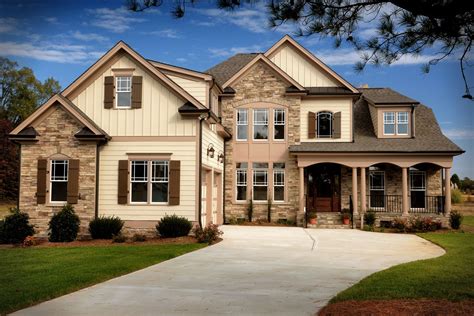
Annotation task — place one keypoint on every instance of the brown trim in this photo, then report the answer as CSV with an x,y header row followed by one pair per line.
x,y
174,182
122,182
137,92
148,156
73,181
311,124
180,70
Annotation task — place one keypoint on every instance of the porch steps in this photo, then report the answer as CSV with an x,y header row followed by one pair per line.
x,y
328,220
330,226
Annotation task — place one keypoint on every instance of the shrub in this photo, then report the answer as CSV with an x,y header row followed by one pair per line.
x,y
232,220
369,218
209,234
455,219
120,238
400,224
15,227
105,227
456,196
64,225
425,224
173,226
30,241
139,238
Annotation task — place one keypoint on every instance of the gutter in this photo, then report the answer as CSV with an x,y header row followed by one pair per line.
x,y
413,121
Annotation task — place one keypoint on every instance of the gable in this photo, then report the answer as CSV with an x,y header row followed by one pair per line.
x,y
196,88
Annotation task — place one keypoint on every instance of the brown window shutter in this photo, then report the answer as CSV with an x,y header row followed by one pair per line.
x,y
73,181
123,182
41,181
136,92
174,182
336,125
109,92
311,125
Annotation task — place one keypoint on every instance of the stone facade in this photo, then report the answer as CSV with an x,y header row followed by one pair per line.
x,y
261,84
56,140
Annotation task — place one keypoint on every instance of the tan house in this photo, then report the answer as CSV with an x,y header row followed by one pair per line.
x,y
140,139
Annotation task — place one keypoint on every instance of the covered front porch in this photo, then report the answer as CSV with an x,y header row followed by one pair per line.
x,y
399,185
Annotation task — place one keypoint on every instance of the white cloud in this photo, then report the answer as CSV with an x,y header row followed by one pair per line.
x,y
88,37
181,60
116,20
50,52
168,33
457,133
8,25
52,20
226,52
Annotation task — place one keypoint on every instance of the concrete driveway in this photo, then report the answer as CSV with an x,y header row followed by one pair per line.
x,y
254,271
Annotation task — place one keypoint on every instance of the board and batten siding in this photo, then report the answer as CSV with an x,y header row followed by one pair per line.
x,y
336,105
300,69
158,115
112,152
196,88
209,136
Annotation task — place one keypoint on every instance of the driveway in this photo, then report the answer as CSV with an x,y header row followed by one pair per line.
x,y
254,271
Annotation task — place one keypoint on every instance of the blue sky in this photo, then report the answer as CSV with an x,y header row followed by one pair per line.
x,y
61,39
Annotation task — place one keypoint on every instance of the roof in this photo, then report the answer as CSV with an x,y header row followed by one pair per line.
x,y
225,70
329,91
385,96
429,138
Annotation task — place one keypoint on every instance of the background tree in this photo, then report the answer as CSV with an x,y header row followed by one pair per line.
x,y
455,180
400,27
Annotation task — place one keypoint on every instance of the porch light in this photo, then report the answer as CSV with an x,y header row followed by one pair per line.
x,y
210,151
220,157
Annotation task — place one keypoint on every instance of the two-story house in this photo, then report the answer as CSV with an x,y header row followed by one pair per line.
x,y
140,139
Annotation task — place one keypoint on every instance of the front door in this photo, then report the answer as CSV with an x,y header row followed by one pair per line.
x,y
324,187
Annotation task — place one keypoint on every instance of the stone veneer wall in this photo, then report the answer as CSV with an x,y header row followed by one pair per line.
x,y
56,137
261,84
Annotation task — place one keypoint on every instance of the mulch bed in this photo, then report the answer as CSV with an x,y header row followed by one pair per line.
x,y
399,308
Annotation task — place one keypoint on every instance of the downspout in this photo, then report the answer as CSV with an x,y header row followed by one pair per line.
x,y
412,121
223,188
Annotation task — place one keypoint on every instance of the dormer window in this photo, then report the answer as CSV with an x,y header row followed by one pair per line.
x,y
324,124
395,123
402,123
123,92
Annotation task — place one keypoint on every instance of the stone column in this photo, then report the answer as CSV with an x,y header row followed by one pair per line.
x,y
405,191
363,193
354,191
447,191
302,199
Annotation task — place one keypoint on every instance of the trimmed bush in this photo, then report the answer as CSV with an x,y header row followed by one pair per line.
x,y
139,238
455,220
173,226
400,224
105,227
369,218
15,227
64,225
456,196
209,234
119,238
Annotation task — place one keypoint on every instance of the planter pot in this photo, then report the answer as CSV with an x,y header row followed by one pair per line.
x,y
345,221
313,221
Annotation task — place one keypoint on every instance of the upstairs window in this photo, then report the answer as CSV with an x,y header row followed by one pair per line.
x,y
389,123
260,124
324,124
123,92
402,123
59,178
279,124
242,124
395,123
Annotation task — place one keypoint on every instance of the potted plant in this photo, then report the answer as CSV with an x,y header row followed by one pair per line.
x,y
346,216
313,218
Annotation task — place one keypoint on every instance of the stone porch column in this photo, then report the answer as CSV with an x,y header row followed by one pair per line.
x,y
363,193
447,191
354,191
405,191
302,200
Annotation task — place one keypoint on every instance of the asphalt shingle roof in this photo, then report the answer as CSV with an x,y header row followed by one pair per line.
x,y
226,69
385,96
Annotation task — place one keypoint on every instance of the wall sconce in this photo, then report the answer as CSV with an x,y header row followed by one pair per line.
x,y
210,151
220,157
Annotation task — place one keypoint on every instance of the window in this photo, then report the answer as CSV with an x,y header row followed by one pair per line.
x,y
260,124
324,126
260,181
124,92
279,182
149,187
241,175
59,177
402,123
377,188
389,123
417,188
279,124
242,124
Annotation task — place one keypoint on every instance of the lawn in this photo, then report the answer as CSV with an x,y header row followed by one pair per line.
x,y
468,220
448,277
32,275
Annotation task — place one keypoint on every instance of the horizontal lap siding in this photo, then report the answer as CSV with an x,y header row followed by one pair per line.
x,y
108,178
210,137
198,89
337,105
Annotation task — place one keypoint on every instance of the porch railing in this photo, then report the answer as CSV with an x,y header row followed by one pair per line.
x,y
385,203
393,204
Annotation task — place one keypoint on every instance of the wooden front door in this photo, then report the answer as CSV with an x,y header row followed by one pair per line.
x,y
324,187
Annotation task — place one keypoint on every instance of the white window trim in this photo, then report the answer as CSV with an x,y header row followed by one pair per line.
x,y
51,180
241,124
372,189
404,122
149,181
150,198
275,111
386,122
237,170
330,124
117,92
423,189
279,185
254,124
259,185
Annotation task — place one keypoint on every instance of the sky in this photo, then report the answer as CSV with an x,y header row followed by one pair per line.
x,y
61,39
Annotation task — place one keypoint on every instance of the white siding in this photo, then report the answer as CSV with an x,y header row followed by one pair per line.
x,y
209,136
114,151
197,89
301,69
158,116
336,105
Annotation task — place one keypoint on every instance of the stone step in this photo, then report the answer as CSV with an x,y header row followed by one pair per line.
x,y
321,226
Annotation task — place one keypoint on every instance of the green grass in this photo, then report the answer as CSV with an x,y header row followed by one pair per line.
x,y
447,277
32,275
468,220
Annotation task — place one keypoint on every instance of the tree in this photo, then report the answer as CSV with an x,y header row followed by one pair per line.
x,y
401,27
20,92
455,180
